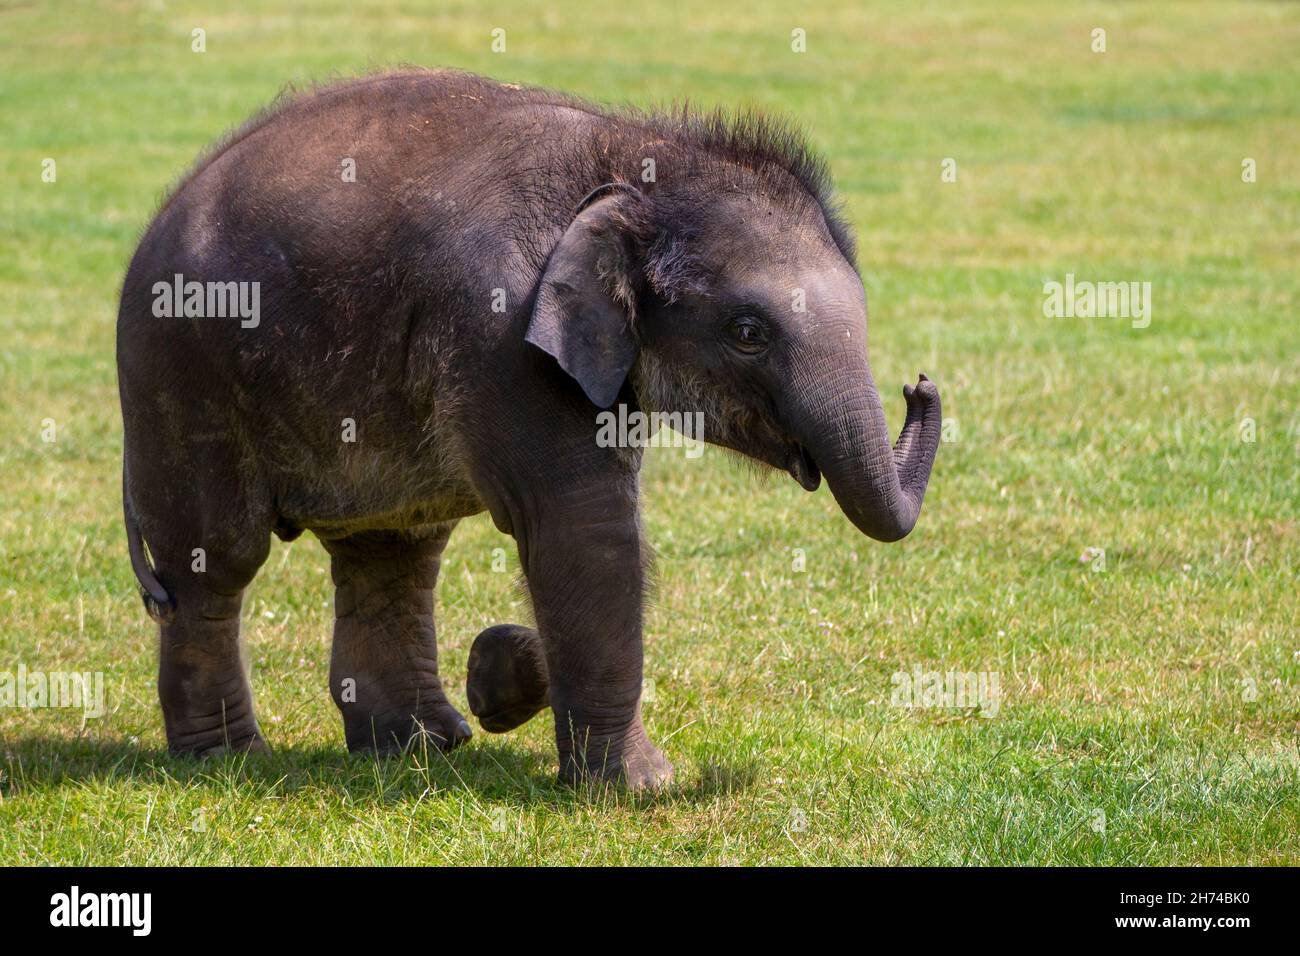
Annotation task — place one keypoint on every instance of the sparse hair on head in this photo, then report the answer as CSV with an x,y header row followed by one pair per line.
x,y
705,154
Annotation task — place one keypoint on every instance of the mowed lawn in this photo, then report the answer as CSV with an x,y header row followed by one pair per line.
x,y
1149,705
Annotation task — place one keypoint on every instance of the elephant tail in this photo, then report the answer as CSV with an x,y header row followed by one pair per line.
x,y
156,599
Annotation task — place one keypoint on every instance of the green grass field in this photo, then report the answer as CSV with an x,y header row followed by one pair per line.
x,y
1149,704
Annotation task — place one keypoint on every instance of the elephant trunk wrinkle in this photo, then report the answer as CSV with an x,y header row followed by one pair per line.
x,y
841,422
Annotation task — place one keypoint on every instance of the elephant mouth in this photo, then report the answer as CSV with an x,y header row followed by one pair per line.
x,y
803,469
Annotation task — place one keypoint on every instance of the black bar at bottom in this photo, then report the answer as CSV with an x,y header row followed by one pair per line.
x,y
334,905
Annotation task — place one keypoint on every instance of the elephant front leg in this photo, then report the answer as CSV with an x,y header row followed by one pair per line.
x,y
586,580
384,667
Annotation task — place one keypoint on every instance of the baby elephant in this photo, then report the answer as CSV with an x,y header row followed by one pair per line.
x,y
391,303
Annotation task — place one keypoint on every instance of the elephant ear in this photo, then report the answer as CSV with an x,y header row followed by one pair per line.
x,y
582,315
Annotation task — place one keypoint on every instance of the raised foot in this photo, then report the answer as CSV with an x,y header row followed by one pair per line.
x,y
507,683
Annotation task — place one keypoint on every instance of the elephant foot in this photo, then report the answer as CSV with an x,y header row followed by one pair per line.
x,y
630,761
248,745
507,683
438,725
216,742
211,716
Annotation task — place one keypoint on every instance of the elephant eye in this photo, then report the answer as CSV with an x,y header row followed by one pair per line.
x,y
748,334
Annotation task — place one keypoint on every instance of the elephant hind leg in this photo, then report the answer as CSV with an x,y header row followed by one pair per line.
x,y
508,683
206,547
384,666
203,684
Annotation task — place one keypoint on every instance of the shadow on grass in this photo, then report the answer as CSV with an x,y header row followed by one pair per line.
x,y
490,770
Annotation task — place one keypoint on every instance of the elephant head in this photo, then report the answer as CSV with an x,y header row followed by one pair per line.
x,y
732,292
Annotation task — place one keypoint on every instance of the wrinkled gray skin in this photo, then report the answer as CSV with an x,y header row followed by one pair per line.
x,y
377,305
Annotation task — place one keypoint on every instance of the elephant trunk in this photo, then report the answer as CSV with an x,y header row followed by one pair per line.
x,y
841,425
